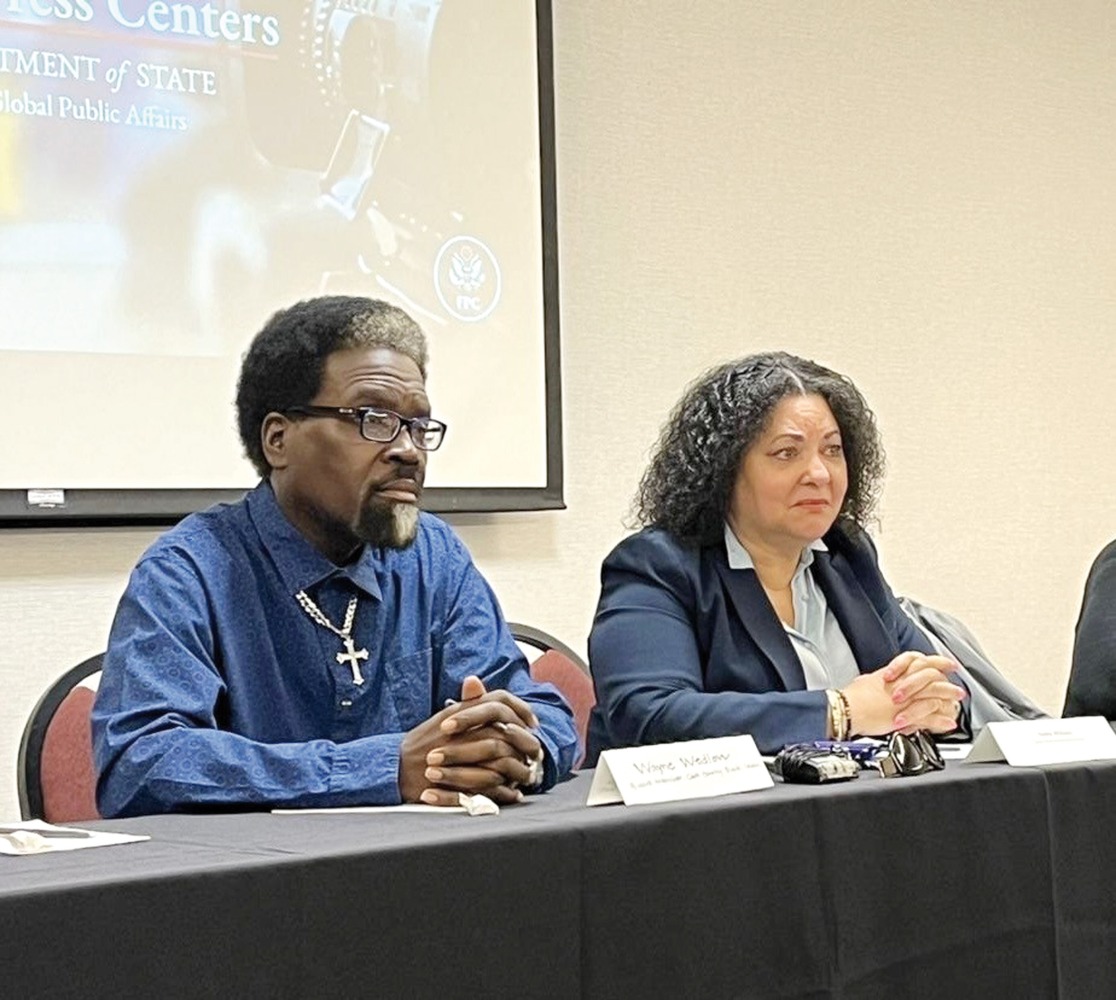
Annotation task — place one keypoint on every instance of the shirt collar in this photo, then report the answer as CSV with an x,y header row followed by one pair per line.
x,y
739,558
300,564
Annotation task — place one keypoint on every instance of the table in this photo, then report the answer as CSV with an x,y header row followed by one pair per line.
x,y
980,881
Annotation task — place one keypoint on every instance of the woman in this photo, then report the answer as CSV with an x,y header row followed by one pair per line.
x,y
752,601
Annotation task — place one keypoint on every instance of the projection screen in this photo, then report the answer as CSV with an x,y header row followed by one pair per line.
x,y
172,173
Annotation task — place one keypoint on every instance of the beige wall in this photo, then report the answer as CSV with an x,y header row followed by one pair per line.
x,y
918,194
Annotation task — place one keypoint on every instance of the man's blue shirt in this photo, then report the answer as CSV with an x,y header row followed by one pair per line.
x,y
219,690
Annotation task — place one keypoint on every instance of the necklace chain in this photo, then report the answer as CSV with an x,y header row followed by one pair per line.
x,y
317,615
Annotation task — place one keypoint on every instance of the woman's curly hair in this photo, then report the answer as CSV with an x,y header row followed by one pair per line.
x,y
688,486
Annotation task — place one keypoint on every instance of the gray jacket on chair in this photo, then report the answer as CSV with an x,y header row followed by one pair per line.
x,y
993,697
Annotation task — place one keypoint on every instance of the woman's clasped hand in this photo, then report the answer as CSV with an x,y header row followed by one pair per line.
x,y
912,692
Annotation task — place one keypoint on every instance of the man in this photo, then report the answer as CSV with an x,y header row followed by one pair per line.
x,y
321,642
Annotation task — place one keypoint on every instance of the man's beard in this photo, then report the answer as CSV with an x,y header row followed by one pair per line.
x,y
387,523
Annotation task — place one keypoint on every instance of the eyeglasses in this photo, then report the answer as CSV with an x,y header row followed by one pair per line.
x,y
910,755
382,426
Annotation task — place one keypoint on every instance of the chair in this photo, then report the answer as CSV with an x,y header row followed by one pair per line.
x,y
56,778
561,666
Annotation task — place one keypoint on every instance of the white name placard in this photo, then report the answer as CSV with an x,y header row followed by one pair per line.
x,y
1032,742
669,772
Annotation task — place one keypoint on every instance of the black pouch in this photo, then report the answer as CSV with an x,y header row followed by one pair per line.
x,y
800,763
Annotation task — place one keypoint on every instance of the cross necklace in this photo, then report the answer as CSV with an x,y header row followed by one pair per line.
x,y
352,656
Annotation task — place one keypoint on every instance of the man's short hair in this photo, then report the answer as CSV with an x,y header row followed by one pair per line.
x,y
283,365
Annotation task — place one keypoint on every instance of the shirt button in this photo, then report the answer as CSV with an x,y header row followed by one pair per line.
x,y
346,703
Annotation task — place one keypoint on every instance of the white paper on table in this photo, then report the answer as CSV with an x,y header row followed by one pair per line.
x,y
472,805
33,837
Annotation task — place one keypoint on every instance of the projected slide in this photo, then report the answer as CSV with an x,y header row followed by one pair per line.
x,y
171,173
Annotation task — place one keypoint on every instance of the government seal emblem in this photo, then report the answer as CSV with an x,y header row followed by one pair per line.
x,y
467,279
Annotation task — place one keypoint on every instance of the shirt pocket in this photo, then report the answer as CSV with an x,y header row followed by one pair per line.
x,y
410,687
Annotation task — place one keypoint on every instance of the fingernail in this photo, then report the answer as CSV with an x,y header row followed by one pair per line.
x,y
899,721
435,757
518,795
433,774
534,722
429,796
899,697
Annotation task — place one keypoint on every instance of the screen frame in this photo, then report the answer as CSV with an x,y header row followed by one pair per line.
x,y
23,508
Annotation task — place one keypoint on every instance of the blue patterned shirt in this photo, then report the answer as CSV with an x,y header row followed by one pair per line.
x,y
219,690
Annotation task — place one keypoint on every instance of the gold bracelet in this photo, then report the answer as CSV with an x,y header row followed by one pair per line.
x,y
839,716
846,715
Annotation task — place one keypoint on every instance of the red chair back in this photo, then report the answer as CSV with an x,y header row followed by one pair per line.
x,y
66,767
575,686
56,781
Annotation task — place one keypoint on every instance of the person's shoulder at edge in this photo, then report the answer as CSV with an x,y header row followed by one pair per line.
x,y
1091,688
652,542
653,558
1104,561
212,527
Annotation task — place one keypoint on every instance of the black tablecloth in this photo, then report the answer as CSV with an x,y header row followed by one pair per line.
x,y
982,881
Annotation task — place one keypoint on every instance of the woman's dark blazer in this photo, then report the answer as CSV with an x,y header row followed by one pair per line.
x,y
685,648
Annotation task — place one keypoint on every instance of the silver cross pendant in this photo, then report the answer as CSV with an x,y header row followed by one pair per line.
x,y
352,656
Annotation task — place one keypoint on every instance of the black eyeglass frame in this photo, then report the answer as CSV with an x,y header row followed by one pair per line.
x,y
909,755
360,414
